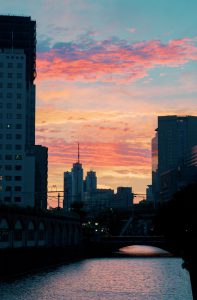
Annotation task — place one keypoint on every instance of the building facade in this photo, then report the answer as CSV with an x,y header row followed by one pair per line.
x,y
177,139
17,110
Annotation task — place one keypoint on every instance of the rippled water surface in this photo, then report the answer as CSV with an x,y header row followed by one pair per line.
x,y
109,278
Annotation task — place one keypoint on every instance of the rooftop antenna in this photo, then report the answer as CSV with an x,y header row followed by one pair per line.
x,y
78,153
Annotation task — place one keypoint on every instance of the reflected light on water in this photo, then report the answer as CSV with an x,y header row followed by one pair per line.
x,y
138,250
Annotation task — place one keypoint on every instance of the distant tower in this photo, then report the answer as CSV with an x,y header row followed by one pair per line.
x,y
77,180
67,190
91,182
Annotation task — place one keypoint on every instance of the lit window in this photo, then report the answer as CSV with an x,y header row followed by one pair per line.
x,y
1,177
18,157
8,126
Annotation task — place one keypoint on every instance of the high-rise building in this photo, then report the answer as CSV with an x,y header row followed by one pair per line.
x,y
177,137
67,190
91,182
17,110
77,182
41,176
123,198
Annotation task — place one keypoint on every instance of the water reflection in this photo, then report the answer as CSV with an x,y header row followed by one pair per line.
x,y
145,251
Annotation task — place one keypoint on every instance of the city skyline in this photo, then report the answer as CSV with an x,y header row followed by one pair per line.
x,y
102,80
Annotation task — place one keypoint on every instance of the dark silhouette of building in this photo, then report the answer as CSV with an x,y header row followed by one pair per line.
x,y
41,176
177,141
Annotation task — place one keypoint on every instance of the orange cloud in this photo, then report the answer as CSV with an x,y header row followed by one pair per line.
x,y
112,60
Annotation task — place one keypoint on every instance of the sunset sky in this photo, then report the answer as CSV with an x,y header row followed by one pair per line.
x,y
105,70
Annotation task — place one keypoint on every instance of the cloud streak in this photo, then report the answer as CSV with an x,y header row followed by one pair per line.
x,y
113,59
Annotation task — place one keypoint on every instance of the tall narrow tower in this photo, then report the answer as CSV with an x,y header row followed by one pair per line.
x,y
77,179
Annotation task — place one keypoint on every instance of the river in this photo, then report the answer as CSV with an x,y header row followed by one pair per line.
x,y
121,278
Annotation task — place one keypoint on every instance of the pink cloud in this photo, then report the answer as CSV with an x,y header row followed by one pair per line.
x,y
112,60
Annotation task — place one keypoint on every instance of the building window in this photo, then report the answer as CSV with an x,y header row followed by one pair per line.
x,y
9,95
8,157
8,167
8,178
9,105
7,199
9,85
8,126
1,146
18,105
17,188
18,178
9,75
18,167
19,85
8,188
18,116
17,199
18,126
19,75
18,136
18,147
8,136
18,157
8,146
1,105
1,125
9,116
1,177
10,65
19,65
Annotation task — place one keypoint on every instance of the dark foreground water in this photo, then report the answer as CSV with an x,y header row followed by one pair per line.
x,y
135,278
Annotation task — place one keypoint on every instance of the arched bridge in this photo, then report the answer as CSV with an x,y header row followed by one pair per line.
x,y
113,243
